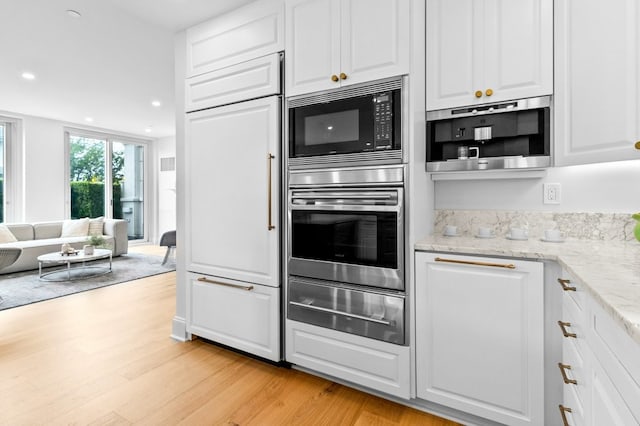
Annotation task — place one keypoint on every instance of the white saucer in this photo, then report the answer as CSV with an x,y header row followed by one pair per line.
x,y
485,236
561,240
509,237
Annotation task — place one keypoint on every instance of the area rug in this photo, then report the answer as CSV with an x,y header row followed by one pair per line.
x,y
23,288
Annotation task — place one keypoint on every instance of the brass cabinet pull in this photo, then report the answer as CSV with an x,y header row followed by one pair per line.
x,y
637,145
241,287
478,93
270,225
489,92
564,410
563,326
563,368
473,262
564,285
334,78
343,76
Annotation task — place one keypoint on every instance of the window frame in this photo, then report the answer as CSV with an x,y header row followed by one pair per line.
x,y
110,138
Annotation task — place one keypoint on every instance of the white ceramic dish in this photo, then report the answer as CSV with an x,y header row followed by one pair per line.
x,y
561,240
509,237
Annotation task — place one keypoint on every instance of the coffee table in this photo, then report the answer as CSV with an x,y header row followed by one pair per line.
x,y
80,258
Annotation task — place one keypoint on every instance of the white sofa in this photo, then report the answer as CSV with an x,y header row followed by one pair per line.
x,y
45,237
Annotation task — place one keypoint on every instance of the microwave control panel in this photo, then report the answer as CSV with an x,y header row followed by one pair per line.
x,y
383,118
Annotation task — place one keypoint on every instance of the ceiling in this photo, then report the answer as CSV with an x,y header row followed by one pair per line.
x,y
108,65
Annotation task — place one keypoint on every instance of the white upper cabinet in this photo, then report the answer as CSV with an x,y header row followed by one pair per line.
x,y
247,33
597,69
333,43
481,51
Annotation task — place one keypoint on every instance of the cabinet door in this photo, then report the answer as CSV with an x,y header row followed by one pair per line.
x,y
518,51
231,196
312,45
607,406
243,316
454,28
481,51
479,336
375,39
597,91
378,365
249,32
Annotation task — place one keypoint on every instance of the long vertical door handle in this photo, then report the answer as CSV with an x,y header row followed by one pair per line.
x,y
270,225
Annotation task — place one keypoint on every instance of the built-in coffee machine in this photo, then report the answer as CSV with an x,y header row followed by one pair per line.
x,y
505,135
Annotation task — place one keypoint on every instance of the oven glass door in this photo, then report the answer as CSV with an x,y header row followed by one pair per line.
x,y
360,238
352,236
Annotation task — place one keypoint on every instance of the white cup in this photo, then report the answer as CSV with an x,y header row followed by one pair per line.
x,y
450,230
483,231
518,233
552,235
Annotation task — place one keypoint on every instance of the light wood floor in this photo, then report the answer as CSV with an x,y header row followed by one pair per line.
x,y
104,357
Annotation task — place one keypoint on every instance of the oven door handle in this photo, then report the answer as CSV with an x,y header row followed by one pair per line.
x,y
343,197
346,314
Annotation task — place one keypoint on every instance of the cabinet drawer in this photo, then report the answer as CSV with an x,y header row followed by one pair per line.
x,y
378,365
575,403
572,288
576,368
243,316
618,354
248,80
574,323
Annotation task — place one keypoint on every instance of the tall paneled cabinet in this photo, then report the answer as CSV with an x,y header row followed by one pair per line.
x,y
232,152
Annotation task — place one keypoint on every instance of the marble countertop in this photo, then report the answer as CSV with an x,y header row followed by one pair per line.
x,y
608,270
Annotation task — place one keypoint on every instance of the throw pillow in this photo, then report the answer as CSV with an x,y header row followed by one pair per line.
x,y
75,228
6,236
96,225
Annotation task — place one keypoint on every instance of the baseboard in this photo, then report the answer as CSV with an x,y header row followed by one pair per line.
x,y
179,329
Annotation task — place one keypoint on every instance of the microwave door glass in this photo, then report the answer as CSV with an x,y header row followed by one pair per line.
x,y
331,128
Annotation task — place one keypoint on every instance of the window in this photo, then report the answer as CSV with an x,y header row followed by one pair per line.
x,y
8,132
107,178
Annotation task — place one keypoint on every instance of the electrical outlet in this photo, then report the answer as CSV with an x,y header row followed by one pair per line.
x,y
551,193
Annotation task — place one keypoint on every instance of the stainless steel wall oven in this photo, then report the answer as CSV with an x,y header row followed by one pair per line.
x,y
346,260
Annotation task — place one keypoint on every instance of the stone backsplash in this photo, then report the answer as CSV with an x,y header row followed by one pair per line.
x,y
583,226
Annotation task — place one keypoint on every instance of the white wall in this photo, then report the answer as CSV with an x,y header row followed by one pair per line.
x,y
43,171
166,147
605,188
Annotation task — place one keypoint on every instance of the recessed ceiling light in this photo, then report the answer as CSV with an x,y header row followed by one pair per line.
x,y
88,119
156,103
148,130
28,75
74,13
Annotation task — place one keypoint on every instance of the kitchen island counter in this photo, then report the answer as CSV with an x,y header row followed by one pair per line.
x,y
609,270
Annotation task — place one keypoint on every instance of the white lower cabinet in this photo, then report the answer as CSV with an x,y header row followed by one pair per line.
x,y
599,365
378,365
480,336
240,315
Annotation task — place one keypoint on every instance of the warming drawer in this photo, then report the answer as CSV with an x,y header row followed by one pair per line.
x,y
376,315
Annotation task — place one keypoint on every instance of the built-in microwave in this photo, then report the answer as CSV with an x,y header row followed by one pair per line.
x,y
353,126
